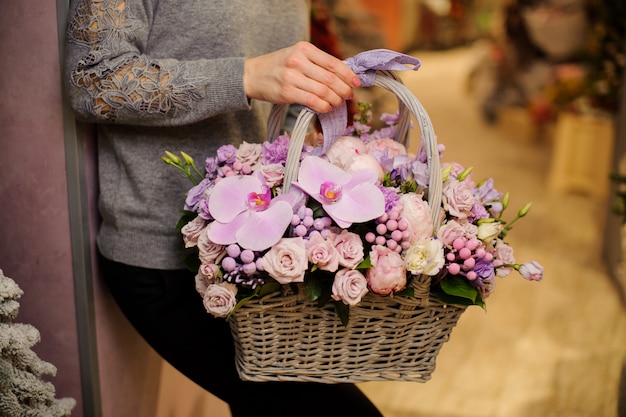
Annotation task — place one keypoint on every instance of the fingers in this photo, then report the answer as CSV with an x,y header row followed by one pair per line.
x,y
300,74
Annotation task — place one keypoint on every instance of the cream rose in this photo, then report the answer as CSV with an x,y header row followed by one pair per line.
x,y
343,151
192,230
350,249
424,257
416,212
286,261
273,174
249,153
220,299
209,252
322,253
366,162
387,274
207,275
349,286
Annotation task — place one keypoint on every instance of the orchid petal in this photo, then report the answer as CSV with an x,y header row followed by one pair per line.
x,y
314,171
229,197
295,197
263,229
362,203
226,233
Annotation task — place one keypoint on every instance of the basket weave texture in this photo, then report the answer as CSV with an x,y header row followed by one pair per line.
x,y
282,338
286,337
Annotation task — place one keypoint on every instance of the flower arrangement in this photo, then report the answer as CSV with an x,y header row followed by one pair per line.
x,y
357,220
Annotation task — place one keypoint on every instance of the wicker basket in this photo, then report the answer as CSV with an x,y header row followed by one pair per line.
x,y
285,337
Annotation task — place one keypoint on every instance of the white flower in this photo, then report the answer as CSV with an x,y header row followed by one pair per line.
x,y
424,257
489,231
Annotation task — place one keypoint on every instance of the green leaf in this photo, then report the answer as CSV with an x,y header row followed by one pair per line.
x,y
185,218
455,300
343,312
365,264
407,292
314,288
269,287
459,287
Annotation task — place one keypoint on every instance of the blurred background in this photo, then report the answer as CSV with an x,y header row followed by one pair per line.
x,y
528,92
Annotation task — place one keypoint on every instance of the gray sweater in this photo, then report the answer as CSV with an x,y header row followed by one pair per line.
x,y
159,75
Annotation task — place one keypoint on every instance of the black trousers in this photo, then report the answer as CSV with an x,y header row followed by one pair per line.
x,y
164,307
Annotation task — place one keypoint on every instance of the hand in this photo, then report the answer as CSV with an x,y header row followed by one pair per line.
x,y
301,74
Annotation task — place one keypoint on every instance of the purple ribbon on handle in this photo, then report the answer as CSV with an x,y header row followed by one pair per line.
x,y
365,66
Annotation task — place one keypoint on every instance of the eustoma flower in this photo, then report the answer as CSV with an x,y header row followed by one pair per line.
x,y
347,197
245,213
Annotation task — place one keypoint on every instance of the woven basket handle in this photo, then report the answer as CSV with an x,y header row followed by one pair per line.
x,y
277,115
416,109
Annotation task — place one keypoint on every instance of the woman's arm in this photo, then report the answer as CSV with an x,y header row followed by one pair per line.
x,y
109,78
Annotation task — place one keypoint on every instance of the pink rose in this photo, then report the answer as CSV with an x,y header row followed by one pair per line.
x,y
387,146
458,199
322,253
207,275
249,153
343,151
350,249
451,231
387,274
192,230
416,212
286,261
220,299
349,286
209,252
273,174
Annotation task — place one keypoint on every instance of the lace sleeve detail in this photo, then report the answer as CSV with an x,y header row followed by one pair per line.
x,y
113,72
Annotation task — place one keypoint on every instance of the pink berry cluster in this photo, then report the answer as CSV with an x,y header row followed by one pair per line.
x,y
391,231
242,266
237,168
464,256
303,223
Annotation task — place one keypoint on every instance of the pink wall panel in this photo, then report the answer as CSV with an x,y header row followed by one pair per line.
x,y
34,232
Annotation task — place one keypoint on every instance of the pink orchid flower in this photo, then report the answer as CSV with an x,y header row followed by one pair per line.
x,y
246,214
347,197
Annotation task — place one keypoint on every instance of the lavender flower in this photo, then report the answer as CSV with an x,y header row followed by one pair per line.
x,y
196,194
391,197
275,152
226,154
210,167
